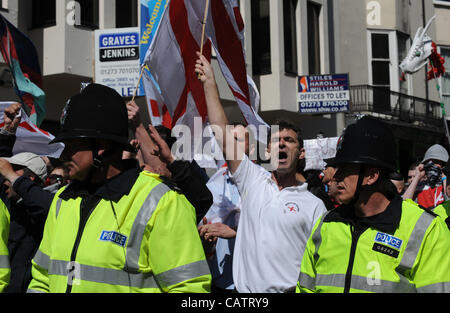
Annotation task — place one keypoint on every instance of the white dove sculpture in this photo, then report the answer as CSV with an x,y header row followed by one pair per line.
x,y
420,51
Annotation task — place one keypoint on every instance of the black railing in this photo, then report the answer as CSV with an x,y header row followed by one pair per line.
x,y
409,109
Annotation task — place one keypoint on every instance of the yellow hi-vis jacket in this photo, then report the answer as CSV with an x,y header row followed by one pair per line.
x,y
5,270
443,210
403,249
152,245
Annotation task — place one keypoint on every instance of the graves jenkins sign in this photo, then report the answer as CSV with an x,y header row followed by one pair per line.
x,y
119,47
323,94
117,63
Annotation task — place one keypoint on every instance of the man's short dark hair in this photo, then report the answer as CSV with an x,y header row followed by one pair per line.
x,y
166,135
28,173
414,165
285,124
396,176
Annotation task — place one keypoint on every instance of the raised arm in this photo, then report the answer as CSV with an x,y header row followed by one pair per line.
x,y
419,173
147,146
216,114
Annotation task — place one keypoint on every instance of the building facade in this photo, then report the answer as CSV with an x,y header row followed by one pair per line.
x,y
284,40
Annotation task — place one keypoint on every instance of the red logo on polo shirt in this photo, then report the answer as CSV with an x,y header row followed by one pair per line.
x,y
291,207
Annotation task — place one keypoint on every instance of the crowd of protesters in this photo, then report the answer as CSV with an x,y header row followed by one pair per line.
x,y
158,224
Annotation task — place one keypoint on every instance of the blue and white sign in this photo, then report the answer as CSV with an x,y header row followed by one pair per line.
x,y
151,14
389,240
323,94
117,59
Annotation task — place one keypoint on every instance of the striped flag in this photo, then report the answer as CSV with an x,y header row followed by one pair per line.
x,y
156,107
30,138
172,55
20,54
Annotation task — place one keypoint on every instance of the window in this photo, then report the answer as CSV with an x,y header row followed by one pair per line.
x,y
126,13
3,5
381,68
445,79
290,36
261,37
314,38
89,10
43,13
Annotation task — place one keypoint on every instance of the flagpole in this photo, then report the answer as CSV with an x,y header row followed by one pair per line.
x,y
441,100
205,17
139,82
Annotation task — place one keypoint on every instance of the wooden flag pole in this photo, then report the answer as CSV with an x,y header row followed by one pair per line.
x,y
138,83
205,17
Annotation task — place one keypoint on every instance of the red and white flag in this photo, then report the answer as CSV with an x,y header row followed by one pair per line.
x,y
30,138
172,55
155,103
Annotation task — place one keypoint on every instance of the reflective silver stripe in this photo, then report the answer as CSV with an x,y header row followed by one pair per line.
x,y
4,261
42,260
414,243
183,273
34,291
306,281
362,283
58,206
139,225
365,283
103,275
317,237
438,288
332,280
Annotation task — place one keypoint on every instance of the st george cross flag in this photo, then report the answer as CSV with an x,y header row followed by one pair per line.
x,y
156,107
30,138
172,55
20,54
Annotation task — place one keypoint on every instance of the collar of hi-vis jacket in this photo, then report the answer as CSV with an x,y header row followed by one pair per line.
x,y
112,189
386,221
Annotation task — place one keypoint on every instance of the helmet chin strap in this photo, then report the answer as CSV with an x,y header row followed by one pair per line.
x,y
96,164
358,185
97,160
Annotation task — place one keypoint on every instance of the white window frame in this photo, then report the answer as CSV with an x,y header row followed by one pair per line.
x,y
444,3
4,5
394,70
441,82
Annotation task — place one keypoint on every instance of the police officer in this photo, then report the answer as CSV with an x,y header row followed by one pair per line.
x,y
5,269
114,228
374,241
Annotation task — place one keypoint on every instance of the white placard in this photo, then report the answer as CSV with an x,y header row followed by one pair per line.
x,y
316,150
117,63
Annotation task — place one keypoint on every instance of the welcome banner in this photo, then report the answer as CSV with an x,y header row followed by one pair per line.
x,y
151,13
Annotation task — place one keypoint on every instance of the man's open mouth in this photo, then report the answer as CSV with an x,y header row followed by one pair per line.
x,y
282,156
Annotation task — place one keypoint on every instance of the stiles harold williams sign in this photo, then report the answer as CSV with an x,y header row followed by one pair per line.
x,y
323,94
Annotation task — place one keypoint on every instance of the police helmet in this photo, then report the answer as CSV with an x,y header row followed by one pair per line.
x,y
98,112
369,141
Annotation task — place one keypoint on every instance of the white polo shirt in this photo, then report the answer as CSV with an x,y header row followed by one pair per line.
x,y
274,227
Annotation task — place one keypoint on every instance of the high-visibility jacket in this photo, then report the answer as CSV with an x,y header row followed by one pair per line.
x,y
404,249
5,270
443,210
146,242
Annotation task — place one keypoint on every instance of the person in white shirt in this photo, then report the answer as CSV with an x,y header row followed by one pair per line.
x,y
221,221
277,211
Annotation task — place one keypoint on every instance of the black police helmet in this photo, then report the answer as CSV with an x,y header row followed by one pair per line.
x,y
98,112
368,141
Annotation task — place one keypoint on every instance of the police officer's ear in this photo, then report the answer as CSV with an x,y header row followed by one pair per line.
x,y
372,176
